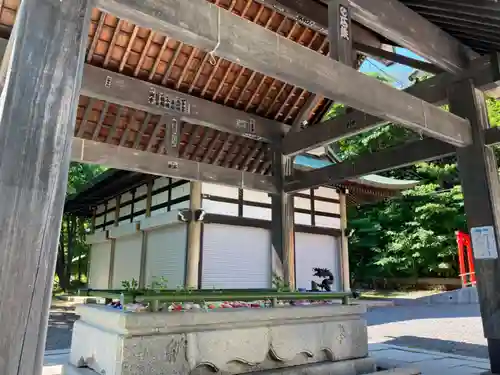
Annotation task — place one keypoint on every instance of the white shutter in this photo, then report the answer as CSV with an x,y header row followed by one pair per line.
x,y
100,255
127,264
236,257
166,254
315,250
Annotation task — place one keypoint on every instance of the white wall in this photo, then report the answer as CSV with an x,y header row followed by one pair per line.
x,y
315,250
326,207
166,254
127,264
252,208
163,258
100,254
254,200
236,257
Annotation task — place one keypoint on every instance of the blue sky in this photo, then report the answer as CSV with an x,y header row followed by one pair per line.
x,y
398,72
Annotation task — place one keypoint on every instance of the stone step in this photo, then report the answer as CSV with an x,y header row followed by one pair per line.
x,y
66,370
355,367
358,366
397,371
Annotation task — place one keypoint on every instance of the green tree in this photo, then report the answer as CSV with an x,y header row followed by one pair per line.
x,y
413,234
73,251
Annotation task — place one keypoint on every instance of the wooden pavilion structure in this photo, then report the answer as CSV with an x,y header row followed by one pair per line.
x,y
228,91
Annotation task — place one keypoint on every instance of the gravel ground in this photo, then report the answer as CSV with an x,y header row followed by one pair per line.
x,y
451,329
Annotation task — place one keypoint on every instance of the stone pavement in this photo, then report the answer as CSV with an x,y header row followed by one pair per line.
x,y
428,362
387,356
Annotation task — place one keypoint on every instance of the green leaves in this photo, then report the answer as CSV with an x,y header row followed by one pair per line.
x,y
413,234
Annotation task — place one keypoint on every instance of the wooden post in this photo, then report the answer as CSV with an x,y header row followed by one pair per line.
x,y
144,243
94,214
149,198
283,222
194,238
344,242
113,244
339,32
37,115
481,188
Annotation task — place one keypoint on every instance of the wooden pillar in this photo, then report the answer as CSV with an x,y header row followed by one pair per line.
x,y
344,242
339,32
481,188
113,244
283,222
37,116
92,225
144,243
194,238
339,35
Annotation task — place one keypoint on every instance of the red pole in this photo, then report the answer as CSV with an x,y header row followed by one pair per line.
x,y
461,260
470,259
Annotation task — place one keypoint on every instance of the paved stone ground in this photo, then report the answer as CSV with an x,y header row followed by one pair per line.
x,y
455,329
60,328
452,329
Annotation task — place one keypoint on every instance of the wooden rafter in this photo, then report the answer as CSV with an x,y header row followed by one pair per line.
x,y
284,59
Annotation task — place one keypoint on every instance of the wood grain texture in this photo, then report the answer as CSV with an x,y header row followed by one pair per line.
x,y
193,255
370,51
481,188
111,156
392,158
283,221
134,93
408,29
208,27
380,161
344,243
37,116
329,131
340,32
485,72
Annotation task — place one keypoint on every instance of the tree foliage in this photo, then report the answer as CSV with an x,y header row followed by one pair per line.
x,y
73,251
412,235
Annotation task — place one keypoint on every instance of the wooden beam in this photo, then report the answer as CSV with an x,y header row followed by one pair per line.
x,y
370,51
394,21
38,108
400,24
158,100
111,156
315,16
329,131
303,116
173,136
392,158
485,72
209,27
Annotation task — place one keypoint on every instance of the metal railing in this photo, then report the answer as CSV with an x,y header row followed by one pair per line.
x,y
202,296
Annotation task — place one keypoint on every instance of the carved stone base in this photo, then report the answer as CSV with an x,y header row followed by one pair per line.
x,y
224,342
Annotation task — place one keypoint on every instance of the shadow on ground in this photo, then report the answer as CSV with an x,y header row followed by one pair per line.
x,y
438,345
60,328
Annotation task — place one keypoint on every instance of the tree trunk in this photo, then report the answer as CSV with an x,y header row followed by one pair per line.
x,y
71,223
61,264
